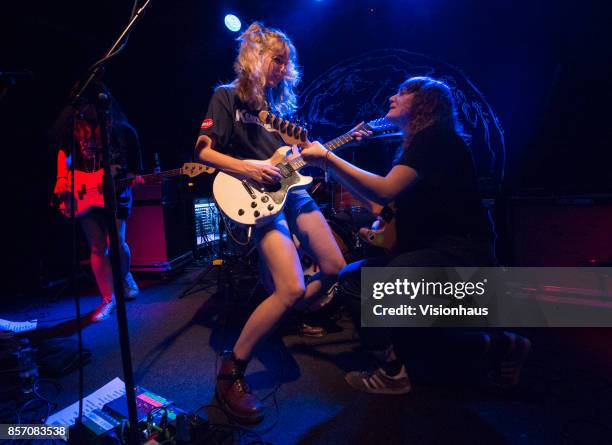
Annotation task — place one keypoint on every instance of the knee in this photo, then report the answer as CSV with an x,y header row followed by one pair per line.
x,y
333,267
338,265
292,293
98,249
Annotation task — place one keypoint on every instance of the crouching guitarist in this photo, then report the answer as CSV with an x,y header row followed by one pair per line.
x,y
83,129
439,217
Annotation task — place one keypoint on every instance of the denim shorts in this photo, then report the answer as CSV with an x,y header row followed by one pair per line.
x,y
298,201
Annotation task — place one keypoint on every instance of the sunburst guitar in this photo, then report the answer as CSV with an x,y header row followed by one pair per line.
x,y
251,203
383,232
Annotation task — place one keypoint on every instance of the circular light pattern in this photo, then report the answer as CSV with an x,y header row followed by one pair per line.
x,y
232,22
335,101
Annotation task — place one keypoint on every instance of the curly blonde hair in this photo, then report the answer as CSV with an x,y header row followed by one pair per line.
x,y
433,104
250,79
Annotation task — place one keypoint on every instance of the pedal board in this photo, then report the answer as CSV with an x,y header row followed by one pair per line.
x,y
157,416
146,402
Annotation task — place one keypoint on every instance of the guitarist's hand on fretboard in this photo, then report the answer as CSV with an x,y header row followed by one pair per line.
x,y
360,132
314,153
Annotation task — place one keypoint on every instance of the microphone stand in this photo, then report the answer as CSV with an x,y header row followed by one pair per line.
x,y
110,209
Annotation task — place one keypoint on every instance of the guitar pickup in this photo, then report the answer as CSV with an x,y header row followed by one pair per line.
x,y
248,188
286,169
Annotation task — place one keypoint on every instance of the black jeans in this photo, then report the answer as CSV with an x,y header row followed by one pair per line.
x,y
447,252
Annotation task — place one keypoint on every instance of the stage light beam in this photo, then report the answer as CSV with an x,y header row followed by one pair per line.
x,y
232,22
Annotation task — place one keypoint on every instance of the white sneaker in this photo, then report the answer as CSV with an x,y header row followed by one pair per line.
x,y
379,382
130,288
104,311
18,326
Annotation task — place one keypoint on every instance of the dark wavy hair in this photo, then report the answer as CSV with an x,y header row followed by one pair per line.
x,y
62,130
433,104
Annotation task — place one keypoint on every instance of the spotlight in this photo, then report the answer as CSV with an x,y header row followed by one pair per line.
x,y
232,22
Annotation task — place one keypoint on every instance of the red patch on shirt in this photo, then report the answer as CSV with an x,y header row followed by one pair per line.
x,y
207,123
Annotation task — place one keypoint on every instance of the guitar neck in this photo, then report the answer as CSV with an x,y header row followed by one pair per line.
x,y
153,177
338,142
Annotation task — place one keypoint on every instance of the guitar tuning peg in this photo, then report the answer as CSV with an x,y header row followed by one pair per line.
x,y
284,125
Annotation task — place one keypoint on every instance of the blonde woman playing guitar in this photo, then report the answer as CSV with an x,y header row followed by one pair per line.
x,y
266,75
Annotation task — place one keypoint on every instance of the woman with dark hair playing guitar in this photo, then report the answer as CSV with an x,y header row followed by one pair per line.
x,y
82,127
439,217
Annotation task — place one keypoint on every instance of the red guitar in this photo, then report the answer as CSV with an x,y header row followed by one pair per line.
x,y
88,191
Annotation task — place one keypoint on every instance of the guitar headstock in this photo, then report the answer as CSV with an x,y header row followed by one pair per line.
x,y
381,126
192,169
291,133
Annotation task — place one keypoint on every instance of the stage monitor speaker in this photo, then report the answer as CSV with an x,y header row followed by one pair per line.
x,y
160,231
561,231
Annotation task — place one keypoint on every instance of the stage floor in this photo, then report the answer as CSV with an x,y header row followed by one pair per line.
x,y
565,395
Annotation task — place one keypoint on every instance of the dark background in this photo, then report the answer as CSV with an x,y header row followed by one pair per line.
x,y
544,66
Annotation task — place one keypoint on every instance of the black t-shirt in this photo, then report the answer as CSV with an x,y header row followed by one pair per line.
x,y
236,129
444,201
124,144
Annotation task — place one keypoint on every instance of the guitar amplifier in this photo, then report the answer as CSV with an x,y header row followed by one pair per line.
x,y
160,231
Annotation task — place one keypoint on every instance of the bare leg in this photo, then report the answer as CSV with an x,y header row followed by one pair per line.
x,y
317,239
93,226
124,249
279,255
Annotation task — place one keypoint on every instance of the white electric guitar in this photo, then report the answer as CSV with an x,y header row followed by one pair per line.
x,y
252,203
88,192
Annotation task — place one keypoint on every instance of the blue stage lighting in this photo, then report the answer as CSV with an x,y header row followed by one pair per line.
x,y
232,22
